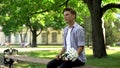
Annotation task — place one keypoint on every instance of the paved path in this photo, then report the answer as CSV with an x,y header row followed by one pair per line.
x,y
29,49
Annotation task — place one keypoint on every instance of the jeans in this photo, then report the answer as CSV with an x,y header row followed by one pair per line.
x,y
64,64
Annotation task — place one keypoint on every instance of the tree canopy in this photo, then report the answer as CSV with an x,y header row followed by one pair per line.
x,y
40,14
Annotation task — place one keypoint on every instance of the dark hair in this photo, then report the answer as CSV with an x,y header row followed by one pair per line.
x,y
72,11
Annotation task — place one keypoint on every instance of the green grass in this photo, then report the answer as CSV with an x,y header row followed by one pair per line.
x,y
111,61
49,46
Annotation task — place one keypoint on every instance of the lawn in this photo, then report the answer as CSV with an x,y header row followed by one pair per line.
x,y
111,61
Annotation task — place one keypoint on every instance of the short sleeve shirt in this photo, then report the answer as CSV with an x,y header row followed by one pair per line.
x,y
76,39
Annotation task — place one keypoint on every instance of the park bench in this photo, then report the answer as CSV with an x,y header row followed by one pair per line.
x,y
12,55
28,59
3,66
37,60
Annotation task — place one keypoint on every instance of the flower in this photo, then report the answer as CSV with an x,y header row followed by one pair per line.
x,y
70,54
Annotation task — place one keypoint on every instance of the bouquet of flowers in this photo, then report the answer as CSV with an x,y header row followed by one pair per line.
x,y
71,54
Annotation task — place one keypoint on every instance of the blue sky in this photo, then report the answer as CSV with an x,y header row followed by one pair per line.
x,y
118,15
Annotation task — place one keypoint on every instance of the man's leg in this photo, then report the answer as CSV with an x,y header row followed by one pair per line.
x,y
54,63
66,64
70,64
77,63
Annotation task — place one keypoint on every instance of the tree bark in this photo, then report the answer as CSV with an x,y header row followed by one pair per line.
x,y
34,40
99,49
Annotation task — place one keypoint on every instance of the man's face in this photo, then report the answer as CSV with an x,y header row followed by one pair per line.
x,y
68,16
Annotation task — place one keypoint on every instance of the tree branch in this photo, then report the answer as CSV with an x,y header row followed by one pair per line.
x,y
65,3
40,12
39,32
109,6
47,10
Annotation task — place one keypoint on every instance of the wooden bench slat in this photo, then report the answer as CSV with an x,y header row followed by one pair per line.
x,y
38,60
29,59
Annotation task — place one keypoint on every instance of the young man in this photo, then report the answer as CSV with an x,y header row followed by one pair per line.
x,y
73,38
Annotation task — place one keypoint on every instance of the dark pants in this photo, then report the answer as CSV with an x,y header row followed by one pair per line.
x,y
64,64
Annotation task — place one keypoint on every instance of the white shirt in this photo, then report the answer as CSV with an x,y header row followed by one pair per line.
x,y
68,42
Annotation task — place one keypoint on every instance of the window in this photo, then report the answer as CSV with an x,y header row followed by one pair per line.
x,y
8,38
54,37
44,37
17,38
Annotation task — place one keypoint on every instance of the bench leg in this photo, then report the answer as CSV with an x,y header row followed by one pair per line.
x,y
11,63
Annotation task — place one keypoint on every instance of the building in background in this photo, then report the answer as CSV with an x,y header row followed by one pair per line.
x,y
50,37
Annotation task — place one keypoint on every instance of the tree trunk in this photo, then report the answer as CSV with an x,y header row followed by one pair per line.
x,y
34,40
99,49
98,37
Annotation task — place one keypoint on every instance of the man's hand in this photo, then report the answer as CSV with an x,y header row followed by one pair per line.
x,y
61,52
57,57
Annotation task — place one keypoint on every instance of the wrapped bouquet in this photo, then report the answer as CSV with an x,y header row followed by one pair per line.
x,y
71,54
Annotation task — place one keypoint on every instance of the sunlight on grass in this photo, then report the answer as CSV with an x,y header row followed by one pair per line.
x,y
88,51
111,51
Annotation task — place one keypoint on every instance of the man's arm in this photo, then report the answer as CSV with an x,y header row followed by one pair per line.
x,y
80,49
61,52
